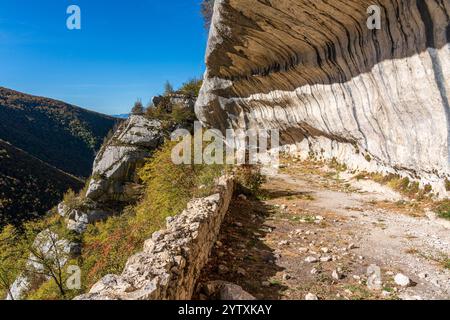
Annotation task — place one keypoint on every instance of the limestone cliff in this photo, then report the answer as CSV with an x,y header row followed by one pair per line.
x,y
114,173
376,100
114,178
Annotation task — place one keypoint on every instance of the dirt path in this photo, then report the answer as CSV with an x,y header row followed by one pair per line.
x,y
314,232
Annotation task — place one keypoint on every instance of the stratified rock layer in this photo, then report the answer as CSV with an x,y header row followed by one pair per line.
x,y
376,100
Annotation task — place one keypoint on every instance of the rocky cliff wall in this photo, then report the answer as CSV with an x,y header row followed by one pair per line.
x,y
172,259
377,100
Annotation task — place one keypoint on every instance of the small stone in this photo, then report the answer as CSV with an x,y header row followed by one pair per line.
x,y
265,284
314,271
356,277
336,275
303,250
242,197
320,218
242,272
311,297
326,259
219,244
286,277
385,293
423,275
402,280
223,269
311,259
283,243
325,250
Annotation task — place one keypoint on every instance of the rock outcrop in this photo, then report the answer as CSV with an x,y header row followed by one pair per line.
x,y
172,259
176,99
114,180
86,212
377,100
114,174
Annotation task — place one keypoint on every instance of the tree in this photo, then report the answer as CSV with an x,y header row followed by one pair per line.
x,y
10,259
207,9
192,87
48,253
168,88
138,108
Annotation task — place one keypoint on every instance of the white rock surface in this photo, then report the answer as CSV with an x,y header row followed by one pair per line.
x,y
374,100
311,297
402,280
115,166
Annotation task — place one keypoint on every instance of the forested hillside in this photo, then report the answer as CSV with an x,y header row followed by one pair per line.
x,y
55,132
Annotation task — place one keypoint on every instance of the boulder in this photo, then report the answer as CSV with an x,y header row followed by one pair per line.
x,y
84,213
221,290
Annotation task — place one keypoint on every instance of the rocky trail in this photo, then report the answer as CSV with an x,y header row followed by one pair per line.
x,y
318,234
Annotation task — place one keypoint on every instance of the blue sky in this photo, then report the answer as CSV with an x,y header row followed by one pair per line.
x,y
124,51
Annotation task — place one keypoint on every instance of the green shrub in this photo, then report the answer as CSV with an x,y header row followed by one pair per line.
x,y
191,88
107,246
172,116
442,208
11,258
249,179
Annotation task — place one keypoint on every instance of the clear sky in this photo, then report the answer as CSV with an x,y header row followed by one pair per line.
x,y
126,49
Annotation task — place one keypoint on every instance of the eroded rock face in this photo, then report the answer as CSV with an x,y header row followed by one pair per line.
x,y
377,100
114,174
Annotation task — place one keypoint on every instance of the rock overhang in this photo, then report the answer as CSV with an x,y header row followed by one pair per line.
x,y
316,72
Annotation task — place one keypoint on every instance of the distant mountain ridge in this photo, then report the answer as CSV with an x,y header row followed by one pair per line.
x,y
122,116
46,147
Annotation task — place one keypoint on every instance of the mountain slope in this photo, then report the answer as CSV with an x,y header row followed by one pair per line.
x,y
28,185
55,132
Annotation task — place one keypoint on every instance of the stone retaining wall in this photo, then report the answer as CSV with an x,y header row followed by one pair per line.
x,y
169,265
